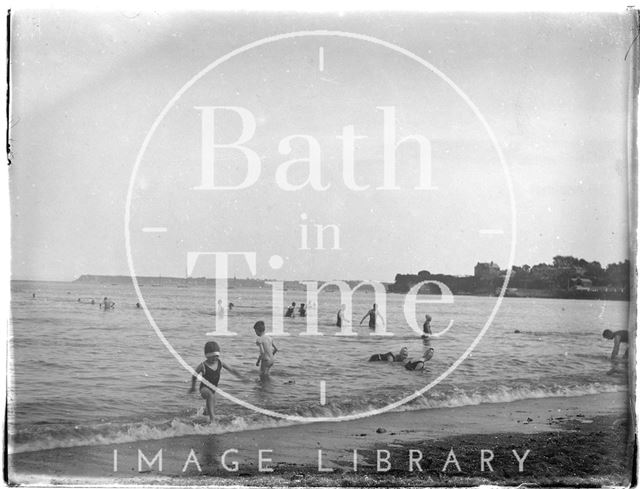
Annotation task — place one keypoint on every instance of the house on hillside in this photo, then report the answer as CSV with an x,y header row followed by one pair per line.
x,y
486,271
580,283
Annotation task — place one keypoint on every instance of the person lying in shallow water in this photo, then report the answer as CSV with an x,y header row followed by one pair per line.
x,y
390,357
419,364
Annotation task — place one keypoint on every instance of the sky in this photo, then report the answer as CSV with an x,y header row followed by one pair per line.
x,y
87,89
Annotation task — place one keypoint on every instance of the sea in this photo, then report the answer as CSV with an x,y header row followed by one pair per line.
x,y
79,375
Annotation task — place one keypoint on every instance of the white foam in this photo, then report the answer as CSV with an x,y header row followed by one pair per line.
x,y
132,432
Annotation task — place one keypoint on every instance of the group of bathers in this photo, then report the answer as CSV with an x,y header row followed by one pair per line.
x,y
402,356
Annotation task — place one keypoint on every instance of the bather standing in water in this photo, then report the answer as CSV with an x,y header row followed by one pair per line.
x,y
107,304
426,327
373,314
340,318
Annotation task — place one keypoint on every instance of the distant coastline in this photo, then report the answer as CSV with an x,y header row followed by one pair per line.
x,y
566,277
473,285
159,281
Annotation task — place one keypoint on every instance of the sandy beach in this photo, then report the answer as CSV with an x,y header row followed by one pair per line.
x,y
571,440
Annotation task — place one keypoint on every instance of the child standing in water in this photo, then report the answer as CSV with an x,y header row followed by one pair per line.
x,y
209,370
267,350
426,327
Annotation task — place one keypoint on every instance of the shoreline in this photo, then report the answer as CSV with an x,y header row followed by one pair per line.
x,y
296,286
587,428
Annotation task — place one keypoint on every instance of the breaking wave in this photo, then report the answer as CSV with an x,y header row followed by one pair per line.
x,y
42,437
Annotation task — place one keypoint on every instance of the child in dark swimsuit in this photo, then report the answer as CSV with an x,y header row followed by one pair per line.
x,y
426,327
209,370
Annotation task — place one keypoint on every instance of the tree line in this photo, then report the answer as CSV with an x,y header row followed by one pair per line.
x,y
565,268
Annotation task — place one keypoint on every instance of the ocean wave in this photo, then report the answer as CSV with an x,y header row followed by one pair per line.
x,y
39,437
511,394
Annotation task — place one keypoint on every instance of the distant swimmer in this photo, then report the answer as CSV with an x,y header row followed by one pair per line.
x,y
426,327
390,357
220,310
267,350
209,370
419,364
620,336
107,304
373,314
33,296
291,311
340,316
302,312
230,306
138,306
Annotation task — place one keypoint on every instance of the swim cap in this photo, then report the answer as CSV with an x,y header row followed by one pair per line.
x,y
428,354
211,349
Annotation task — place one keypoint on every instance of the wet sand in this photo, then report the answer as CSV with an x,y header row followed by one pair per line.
x,y
571,441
